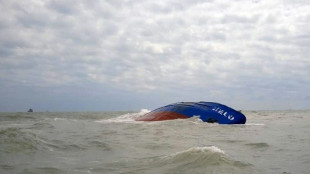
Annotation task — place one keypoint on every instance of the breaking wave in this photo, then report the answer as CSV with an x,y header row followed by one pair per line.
x,y
209,159
202,157
128,118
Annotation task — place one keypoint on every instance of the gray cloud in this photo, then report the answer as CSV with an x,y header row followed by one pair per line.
x,y
251,54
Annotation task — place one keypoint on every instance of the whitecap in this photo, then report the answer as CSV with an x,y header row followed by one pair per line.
x,y
212,149
127,118
201,158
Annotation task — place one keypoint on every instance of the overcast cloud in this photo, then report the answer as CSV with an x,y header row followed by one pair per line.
x,y
79,55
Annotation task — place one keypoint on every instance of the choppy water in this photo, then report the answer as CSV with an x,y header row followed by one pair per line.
x,y
112,142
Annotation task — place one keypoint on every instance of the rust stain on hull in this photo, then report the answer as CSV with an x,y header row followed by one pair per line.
x,y
159,116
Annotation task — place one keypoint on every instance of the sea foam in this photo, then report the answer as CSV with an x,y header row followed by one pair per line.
x,y
127,118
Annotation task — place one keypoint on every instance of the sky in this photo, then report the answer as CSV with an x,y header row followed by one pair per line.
x,y
112,55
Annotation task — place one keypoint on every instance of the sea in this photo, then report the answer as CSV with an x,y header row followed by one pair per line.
x,y
271,142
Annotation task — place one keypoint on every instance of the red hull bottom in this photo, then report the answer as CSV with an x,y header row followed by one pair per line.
x,y
159,116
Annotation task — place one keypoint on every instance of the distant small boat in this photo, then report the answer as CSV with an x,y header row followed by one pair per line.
x,y
30,110
207,111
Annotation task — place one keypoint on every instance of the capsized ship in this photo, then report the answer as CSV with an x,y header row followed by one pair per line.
x,y
207,111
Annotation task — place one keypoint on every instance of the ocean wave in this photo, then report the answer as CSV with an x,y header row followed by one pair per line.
x,y
197,155
125,118
16,140
42,125
64,146
65,119
101,145
258,145
43,170
210,158
16,116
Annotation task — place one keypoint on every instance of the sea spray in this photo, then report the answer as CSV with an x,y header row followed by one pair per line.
x,y
127,118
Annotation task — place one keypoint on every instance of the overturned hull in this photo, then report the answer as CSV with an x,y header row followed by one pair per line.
x,y
207,111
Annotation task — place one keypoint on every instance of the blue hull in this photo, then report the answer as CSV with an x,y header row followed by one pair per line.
x,y
207,111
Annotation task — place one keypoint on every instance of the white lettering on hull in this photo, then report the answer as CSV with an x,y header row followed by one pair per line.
x,y
224,113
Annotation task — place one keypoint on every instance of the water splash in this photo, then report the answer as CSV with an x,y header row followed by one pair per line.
x,y
126,118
